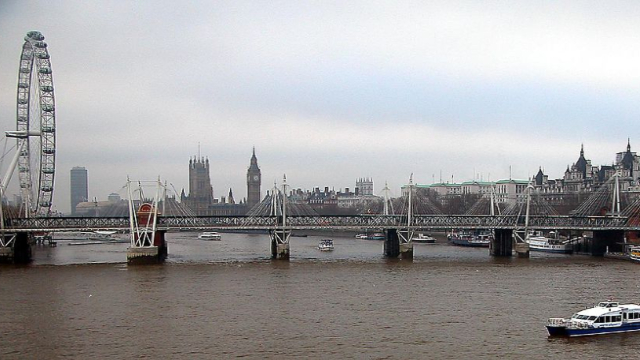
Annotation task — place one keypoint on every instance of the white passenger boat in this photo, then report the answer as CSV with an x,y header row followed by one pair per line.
x,y
210,235
424,238
325,245
634,253
606,318
552,243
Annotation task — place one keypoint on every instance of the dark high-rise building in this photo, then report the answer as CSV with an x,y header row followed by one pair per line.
x,y
200,190
253,182
79,187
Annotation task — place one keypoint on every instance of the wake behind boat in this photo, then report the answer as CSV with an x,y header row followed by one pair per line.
x,y
210,235
607,317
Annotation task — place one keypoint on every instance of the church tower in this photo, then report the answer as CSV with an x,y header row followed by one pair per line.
x,y
253,182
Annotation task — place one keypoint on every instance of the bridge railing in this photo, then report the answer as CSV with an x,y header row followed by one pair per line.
x,y
353,222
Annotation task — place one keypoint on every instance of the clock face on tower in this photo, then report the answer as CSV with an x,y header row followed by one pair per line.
x,y
255,177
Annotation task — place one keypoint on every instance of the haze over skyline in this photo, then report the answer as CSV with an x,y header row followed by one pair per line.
x,y
329,92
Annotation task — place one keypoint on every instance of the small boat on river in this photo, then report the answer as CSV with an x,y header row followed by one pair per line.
x,y
325,245
210,235
371,236
608,317
464,238
424,238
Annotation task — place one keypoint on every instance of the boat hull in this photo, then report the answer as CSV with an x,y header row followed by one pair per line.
x,y
554,251
462,242
563,331
423,241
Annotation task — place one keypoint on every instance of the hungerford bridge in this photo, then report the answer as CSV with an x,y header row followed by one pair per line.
x,y
34,161
147,226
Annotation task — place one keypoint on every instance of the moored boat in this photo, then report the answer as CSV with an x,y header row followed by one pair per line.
x,y
210,235
607,317
371,236
463,238
325,245
551,243
424,238
374,236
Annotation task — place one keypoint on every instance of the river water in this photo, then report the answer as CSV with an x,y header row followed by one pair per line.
x,y
227,299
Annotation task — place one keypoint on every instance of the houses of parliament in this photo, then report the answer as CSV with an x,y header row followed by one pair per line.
x,y
200,198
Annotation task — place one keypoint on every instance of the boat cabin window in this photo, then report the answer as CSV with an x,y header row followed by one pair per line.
x,y
608,319
634,315
607,304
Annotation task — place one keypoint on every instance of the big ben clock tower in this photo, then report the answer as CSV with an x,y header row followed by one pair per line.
x,y
253,182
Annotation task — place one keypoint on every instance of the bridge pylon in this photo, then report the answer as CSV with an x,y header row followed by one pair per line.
x,y
280,235
399,242
148,244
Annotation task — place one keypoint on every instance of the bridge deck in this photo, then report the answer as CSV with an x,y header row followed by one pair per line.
x,y
354,222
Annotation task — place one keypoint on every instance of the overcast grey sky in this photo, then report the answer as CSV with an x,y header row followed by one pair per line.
x,y
330,91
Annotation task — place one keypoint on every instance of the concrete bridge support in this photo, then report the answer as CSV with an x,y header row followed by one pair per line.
x,y
607,239
19,249
280,244
522,249
154,254
406,250
392,243
502,243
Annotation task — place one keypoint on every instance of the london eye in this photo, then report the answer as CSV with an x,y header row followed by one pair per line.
x,y
35,129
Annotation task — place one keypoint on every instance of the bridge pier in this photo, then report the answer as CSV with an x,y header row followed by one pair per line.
x,y
280,244
502,243
155,254
18,249
607,239
406,250
392,243
522,249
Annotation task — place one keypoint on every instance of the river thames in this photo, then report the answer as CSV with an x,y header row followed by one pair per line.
x,y
228,299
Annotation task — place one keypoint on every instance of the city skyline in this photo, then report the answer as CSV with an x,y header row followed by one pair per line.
x,y
329,92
